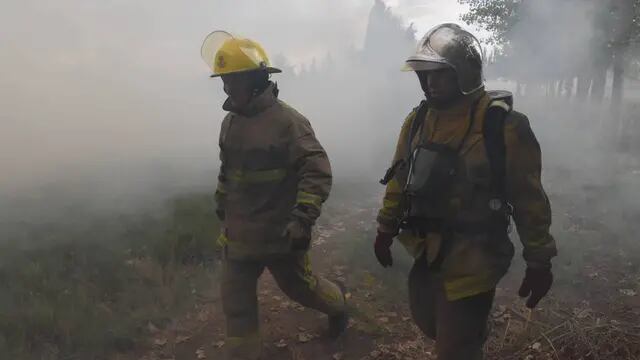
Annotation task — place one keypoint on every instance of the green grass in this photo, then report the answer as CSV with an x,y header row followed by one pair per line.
x,y
91,287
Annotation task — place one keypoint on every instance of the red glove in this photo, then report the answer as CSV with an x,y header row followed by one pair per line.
x,y
537,282
382,248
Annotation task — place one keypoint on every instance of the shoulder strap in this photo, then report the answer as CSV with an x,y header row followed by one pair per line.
x,y
493,131
416,124
418,119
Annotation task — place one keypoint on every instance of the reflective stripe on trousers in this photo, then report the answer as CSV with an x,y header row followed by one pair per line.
x,y
293,274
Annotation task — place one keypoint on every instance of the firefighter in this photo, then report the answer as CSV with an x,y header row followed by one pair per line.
x,y
465,164
274,177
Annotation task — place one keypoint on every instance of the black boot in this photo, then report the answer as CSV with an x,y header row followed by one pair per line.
x,y
338,322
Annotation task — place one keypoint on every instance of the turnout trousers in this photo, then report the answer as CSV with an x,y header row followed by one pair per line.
x,y
458,327
293,275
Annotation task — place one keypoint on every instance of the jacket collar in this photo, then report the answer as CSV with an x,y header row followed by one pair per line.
x,y
461,106
258,104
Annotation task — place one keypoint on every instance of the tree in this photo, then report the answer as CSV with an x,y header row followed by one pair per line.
x,y
521,36
386,35
495,16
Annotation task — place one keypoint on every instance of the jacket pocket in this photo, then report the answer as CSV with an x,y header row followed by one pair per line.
x,y
265,158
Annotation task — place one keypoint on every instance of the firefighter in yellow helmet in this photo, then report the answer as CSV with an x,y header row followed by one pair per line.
x,y
274,177
465,164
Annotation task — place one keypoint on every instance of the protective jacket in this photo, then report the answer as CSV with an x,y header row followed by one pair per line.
x,y
273,169
475,259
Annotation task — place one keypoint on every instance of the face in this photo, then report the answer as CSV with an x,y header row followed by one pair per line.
x,y
239,87
441,86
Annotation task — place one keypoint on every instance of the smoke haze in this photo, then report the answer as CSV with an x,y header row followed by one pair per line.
x,y
111,99
105,90
109,128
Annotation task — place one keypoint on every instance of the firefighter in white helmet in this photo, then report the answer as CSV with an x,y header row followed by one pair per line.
x,y
465,164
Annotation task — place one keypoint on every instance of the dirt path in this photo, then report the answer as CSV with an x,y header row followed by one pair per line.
x,y
293,332
587,315
378,327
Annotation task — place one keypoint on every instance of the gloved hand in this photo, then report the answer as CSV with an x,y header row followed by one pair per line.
x,y
536,284
221,245
220,213
298,232
220,200
382,248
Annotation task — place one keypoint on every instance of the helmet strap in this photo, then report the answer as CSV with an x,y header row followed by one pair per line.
x,y
260,81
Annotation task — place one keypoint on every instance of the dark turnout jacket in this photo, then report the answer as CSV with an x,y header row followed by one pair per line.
x,y
272,169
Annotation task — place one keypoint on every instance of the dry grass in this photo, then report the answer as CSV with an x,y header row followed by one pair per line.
x,y
94,286
560,332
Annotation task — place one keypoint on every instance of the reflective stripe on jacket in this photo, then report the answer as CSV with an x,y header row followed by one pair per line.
x,y
271,161
475,262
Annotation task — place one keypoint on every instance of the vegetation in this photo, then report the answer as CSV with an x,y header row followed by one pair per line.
x,y
100,285
555,39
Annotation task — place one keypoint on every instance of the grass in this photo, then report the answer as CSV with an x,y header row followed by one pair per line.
x,y
94,284
92,287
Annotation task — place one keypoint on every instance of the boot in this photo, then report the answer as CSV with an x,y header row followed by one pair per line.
x,y
338,322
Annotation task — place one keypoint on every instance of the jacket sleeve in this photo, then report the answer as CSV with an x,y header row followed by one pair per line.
x,y
221,191
532,211
390,214
311,164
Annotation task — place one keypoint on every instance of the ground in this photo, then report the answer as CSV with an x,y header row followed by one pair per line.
x,y
379,325
593,311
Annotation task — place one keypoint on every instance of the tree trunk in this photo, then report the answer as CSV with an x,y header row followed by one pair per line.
x,y
599,83
567,88
582,90
617,90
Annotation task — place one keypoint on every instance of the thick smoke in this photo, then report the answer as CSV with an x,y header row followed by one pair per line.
x,y
107,108
558,64
112,99
109,100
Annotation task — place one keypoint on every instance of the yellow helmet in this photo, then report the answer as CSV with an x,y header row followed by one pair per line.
x,y
226,54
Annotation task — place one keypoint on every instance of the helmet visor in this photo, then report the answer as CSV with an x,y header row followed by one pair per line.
x,y
211,45
226,54
417,65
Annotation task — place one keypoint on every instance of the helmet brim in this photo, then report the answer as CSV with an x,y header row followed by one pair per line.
x,y
268,69
422,65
